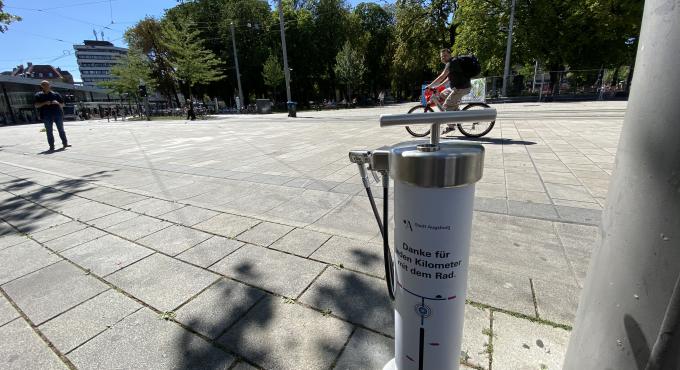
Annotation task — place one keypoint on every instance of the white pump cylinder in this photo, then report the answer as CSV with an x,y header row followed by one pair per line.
x,y
433,202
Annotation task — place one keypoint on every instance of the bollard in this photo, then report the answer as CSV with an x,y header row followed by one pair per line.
x,y
434,185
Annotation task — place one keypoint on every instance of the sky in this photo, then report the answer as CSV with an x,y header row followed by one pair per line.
x,y
49,29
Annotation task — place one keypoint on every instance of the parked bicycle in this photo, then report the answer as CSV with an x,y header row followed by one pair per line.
x,y
435,98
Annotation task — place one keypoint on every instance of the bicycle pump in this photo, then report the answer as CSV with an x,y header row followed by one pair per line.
x,y
434,185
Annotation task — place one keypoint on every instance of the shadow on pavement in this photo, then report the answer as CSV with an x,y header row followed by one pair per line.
x,y
27,209
252,310
496,141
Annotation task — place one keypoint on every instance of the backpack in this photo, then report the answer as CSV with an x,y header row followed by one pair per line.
x,y
470,65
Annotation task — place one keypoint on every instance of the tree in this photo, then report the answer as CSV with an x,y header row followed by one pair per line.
x,y
273,73
130,71
145,36
349,67
6,18
377,25
192,64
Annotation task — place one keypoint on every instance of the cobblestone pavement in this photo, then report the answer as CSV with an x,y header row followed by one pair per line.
x,y
247,241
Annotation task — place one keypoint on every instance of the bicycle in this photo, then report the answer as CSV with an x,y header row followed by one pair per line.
x,y
436,99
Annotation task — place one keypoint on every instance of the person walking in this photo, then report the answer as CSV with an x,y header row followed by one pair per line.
x,y
190,110
51,105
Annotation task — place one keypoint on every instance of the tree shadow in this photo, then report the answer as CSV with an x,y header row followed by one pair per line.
x,y
228,331
357,298
27,209
495,141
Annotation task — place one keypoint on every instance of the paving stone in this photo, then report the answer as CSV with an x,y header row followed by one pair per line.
x,y
491,205
528,196
356,255
354,297
7,312
143,341
106,255
218,307
161,281
154,207
58,231
576,204
306,208
118,198
556,302
210,251
581,215
269,269
138,227
24,258
474,347
579,242
112,219
243,366
302,242
74,327
74,239
568,192
10,240
188,215
521,344
527,247
349,219
495,288
260,200
52,290
23,349
35,220
89,211
531,210
264,234
366,350
227,225
174,239
264,336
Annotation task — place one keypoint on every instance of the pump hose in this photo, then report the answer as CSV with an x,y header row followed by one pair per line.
x,y
383,226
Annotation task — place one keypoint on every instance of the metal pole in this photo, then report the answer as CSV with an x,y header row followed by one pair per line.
x,y
238,73
533,85
286,71
627,304
508,48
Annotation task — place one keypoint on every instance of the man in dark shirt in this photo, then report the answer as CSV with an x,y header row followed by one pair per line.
x,y
458,83
51,106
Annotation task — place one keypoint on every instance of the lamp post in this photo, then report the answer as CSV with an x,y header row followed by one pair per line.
x,y
508,48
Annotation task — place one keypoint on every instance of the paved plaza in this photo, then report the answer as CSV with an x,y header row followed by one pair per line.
x,y
247,242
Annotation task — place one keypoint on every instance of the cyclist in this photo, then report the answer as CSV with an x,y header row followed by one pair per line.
x,y
459,84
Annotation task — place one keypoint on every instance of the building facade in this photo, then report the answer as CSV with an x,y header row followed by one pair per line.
x,y
41,72
95,60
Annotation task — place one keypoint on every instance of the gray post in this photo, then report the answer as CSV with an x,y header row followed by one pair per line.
x,y
533,85
147,107
508,48
628,314
286,71
238,72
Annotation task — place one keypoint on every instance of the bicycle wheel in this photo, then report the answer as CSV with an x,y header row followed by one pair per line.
x,y
476,129
420,130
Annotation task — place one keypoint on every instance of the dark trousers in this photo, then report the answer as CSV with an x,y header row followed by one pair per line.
x,y
191,115
48,119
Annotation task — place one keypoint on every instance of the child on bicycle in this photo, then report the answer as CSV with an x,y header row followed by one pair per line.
x,y
459,83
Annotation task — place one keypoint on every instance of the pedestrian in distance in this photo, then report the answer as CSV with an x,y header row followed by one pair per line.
x,y
190,110
50,105
381,98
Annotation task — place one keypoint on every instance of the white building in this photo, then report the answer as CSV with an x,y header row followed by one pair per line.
x,y
95,59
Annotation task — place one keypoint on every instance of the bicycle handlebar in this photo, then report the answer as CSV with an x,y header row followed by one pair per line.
x,y
438,117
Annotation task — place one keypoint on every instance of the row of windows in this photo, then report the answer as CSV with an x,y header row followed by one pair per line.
x,y
107,65
95,72
103,57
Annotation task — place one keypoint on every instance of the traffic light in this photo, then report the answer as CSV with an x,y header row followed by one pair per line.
x,y
142,91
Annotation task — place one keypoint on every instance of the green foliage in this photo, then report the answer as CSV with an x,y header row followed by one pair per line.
x,y
6,18
191,63
399,43
131,71
349,67
272,72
